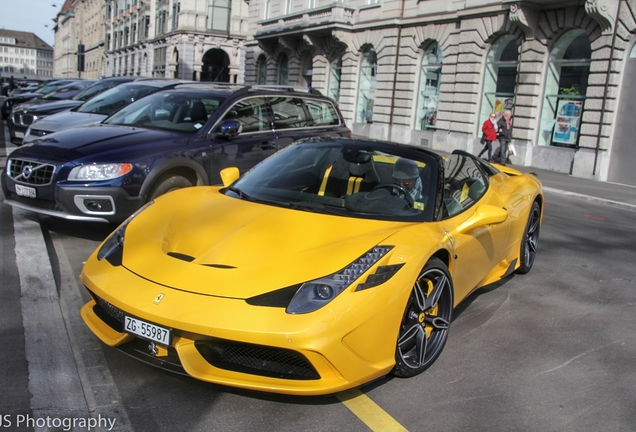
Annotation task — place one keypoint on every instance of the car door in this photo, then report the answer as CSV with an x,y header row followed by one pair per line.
x,y
254,143
478,250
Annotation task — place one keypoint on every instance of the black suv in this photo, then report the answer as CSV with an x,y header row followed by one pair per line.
x,y
167,140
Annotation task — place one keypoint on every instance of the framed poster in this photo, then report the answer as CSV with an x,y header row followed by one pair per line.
x,y
568,118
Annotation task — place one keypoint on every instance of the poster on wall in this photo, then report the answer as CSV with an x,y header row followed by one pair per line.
x,y
501,105
566,127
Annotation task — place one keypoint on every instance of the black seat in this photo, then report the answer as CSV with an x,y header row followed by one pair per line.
x,y
346,178
198,113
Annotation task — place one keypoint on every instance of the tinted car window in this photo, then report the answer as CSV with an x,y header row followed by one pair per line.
x,y
251,113
178,111
288,113
116,98
94,89
322,113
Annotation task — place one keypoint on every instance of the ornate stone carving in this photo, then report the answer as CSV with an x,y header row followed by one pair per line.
x,y
525,17
604,12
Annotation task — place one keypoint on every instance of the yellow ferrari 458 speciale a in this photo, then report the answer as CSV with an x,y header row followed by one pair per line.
x,y
330,264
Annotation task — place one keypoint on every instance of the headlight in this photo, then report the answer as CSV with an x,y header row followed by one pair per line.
x,y
112,250
315,294
99,171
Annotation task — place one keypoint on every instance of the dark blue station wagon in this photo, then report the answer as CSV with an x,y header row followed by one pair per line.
x,y
168,140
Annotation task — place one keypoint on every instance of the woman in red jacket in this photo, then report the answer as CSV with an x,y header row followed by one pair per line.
x,y
489,129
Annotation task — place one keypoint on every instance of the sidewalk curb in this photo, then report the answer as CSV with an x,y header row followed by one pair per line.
x,y
591,198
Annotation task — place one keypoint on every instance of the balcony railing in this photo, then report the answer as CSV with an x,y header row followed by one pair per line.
x,y
333,15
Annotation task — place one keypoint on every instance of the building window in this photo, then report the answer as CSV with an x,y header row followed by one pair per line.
x,y
312,4
430,82
565,89
176,8
261,70
500,78
288,7
283,70
266,7
367,85
335,78
219,15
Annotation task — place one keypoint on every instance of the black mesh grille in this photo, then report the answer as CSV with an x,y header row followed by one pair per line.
x,y
108,313
141,350
34,202
29,172
257,360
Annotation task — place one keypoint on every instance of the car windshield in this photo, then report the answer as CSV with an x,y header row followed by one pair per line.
x,y
185,111
116,98
67,91
363,179
48,88
93,90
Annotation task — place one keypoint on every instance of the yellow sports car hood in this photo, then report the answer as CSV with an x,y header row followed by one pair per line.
x,y
199,240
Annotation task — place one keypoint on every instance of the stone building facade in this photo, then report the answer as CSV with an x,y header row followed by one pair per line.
x,y
429,72
24,55
199,40
65,63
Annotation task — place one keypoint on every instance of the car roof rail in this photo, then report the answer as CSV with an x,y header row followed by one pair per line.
x,y
310,90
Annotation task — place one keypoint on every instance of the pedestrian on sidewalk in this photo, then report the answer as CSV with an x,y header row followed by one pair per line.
x,y
504,132
489,131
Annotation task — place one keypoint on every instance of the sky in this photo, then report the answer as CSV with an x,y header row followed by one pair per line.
x,y
34,16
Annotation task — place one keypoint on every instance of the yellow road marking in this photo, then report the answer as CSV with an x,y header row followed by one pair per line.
x,y
369,412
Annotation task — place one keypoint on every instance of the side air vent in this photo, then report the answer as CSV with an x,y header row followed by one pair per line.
x,y
221,266
181,256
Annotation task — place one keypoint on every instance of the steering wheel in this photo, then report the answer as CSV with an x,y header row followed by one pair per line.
x,y
397,191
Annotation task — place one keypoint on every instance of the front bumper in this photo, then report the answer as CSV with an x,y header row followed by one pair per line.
x,y
91,204
226,341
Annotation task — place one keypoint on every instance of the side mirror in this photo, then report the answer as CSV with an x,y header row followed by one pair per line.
x,y
484,215
231,128
229,175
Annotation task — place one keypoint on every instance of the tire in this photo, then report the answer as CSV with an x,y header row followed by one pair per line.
x,y
426,320
169,184
530,240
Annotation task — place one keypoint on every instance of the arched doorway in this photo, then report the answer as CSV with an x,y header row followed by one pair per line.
x,y
261,70
215,67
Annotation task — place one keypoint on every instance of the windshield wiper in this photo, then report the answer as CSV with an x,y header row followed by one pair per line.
x,y
240,193
316,207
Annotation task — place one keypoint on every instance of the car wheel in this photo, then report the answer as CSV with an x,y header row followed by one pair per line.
x,y
530,240
169,184
424,327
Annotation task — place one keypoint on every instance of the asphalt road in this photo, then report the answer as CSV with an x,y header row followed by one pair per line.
x,y
552,350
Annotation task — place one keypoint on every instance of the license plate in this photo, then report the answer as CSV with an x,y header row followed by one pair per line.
x,y
25,191
19,134
147,331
